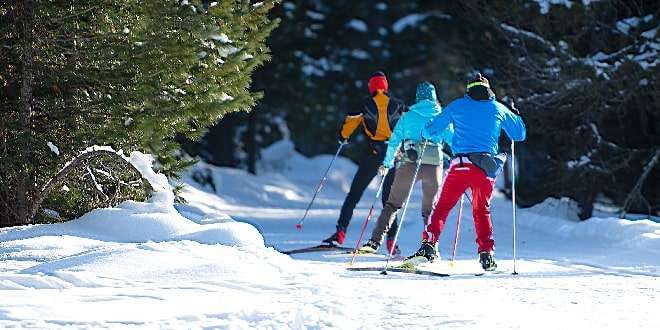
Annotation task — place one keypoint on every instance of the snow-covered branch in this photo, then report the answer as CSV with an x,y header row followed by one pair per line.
x,y
88,154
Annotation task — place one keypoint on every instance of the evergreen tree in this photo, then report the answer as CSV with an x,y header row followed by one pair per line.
x,y
324,52
585,77
129,74
583,73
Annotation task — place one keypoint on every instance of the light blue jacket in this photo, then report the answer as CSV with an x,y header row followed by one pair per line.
x,y
477,125
410,127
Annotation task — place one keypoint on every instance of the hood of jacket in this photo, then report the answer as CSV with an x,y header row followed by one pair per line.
x,y
426,108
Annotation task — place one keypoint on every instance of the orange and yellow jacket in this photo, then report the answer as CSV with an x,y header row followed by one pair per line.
x,y
377,114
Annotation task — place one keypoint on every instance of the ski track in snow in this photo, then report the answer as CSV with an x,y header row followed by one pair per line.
x,y
205,273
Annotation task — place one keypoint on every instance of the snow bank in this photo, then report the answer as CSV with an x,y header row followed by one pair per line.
x,y
285,179
564,208
154,220
558,217
282,158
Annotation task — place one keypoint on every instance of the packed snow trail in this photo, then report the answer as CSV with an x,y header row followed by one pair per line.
x,y
147,265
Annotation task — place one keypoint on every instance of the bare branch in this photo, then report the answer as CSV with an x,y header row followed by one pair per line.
x,y
71,166
637,190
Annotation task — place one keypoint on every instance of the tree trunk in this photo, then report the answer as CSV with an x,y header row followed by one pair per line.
x,y
24,188
251,144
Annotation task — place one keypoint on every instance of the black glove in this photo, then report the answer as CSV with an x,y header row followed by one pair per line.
x,y
510,105
340,138
513,108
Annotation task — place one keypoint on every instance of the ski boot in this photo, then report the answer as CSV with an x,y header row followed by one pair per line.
x,y
337,238
369,247
487,261
426,253
396,251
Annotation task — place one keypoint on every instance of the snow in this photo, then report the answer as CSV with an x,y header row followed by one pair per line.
x,y
225,51
288,5
650,34
317,67
528,34
357,25
314,15
625,25
53,148
544,5
584,160
414,20
223,38
225,97
213,263
360,54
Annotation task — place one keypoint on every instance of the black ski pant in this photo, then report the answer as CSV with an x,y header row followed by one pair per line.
x,y
367,170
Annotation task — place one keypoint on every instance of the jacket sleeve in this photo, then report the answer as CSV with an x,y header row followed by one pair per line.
x,y
352,120
448,135
513,125
438,124
393,143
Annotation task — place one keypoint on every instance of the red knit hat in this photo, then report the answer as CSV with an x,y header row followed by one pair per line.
x,y
377,81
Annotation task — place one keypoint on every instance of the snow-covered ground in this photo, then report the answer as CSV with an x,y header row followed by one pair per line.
x,y
150,265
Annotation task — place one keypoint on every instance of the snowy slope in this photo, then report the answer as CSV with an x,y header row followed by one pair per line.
x,y
150,265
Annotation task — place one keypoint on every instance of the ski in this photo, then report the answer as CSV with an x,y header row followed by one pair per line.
x,y
400,270
417,271
349,254
318,248
493,272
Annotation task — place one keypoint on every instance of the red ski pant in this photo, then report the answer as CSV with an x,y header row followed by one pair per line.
x,y
458,180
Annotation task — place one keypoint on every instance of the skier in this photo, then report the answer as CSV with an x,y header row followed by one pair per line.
x,y
408,132
477,119
377,114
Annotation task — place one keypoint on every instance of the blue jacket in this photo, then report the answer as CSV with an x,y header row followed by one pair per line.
x,y
477,125
410,127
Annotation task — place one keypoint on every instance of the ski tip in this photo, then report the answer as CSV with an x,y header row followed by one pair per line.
x,y
299,226
383,272
452,264
514,273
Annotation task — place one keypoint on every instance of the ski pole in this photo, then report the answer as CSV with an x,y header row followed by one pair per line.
x,y
458,229
513,201
320,185
366,221
405,207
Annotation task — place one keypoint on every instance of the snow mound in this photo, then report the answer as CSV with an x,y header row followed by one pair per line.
x,y
285,178
137,222
564,208
558,217
281,157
